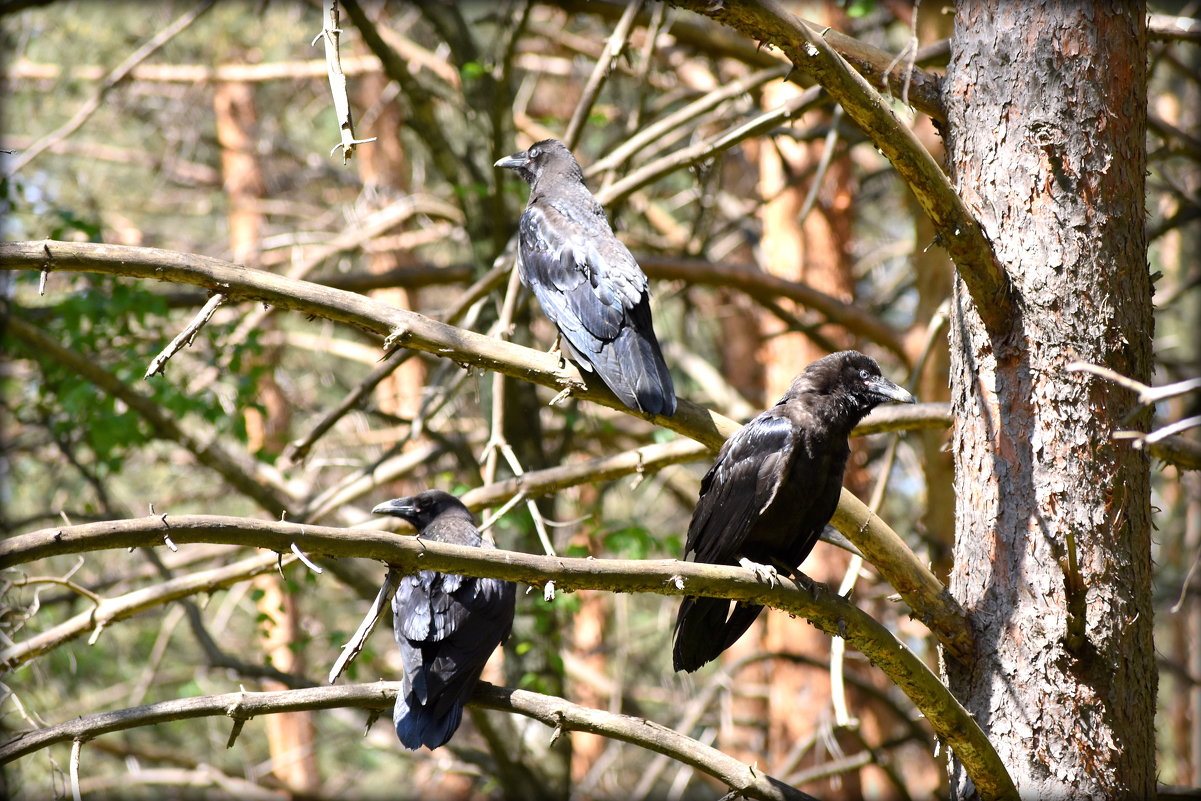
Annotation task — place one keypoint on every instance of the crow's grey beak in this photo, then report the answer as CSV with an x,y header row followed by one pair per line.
x,y
513,162
885,388
400,507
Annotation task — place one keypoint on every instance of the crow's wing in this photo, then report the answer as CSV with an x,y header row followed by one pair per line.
x,y
446,626
586,284
590,286
453,623
752,470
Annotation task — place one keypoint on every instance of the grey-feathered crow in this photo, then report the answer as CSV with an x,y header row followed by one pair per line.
x,y
587,281
446,625
772,490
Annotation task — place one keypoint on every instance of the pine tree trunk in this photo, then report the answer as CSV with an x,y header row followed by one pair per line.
x,y
1046,110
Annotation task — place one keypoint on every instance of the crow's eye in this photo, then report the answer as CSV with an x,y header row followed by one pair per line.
x,y
533,152
864,374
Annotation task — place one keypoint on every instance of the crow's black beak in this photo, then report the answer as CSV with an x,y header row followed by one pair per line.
x,y
514,161
886,389
398,507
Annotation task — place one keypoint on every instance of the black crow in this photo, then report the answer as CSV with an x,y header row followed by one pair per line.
x,y
587,281
446,625
772,490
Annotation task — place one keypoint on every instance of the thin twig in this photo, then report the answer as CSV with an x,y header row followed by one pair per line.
x,y
708,148
1172,429
298,450
608,58
1147,394
76,749
331,33
120,73
185,337
71,585
681,118
823,167
356,642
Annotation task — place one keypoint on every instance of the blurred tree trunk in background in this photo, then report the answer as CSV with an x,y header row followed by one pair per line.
x,y
1180,692
245,187
384,171
1046,139
290,736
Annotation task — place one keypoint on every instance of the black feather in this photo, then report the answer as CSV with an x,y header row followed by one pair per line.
x,y
773,488
587,281
446,625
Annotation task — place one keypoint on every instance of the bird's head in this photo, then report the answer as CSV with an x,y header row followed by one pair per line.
x,y
423,508
853,375
542,158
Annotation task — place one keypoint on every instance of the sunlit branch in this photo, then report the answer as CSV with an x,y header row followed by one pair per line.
x,y
824,609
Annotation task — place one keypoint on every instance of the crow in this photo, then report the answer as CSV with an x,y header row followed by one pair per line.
x,y
773,488
587,281
447,626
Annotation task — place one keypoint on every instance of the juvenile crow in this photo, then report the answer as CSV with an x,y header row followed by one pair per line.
x,y
587,281
446,625
772,490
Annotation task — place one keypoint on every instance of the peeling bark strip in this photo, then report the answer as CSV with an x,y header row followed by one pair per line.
x,y
1046,106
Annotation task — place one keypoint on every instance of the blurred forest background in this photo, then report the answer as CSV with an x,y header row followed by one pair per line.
x,y
770,236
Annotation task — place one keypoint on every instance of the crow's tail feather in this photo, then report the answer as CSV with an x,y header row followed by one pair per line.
x,y
703,630
637,373
417,725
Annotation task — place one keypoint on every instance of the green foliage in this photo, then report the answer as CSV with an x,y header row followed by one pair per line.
x,y
857,9
69,221
630,542
119,325
472,70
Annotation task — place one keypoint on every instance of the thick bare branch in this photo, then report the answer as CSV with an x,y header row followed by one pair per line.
x,y
929,599
895,564
554,712
826,610
743,780
404,328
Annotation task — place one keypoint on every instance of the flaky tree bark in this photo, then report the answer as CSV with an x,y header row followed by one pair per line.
x,y
1046,107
